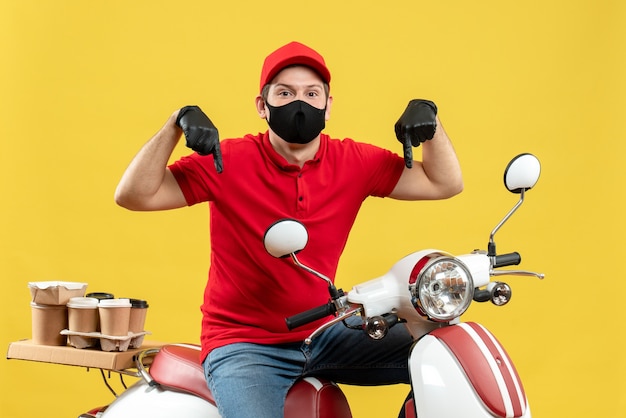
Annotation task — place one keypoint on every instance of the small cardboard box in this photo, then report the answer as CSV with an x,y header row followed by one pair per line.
x,y
54,292
115,360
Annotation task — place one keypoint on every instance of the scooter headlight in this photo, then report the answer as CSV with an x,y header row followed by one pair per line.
x,y
442,288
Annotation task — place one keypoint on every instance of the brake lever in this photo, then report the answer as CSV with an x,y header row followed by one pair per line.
x,y
352,310
494,273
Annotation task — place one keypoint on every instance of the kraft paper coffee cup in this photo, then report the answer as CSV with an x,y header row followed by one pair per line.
x,y
83,314
138,311
47,323
114,317
100,296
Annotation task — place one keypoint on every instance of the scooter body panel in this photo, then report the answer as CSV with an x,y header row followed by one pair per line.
x,y
461,370
141,400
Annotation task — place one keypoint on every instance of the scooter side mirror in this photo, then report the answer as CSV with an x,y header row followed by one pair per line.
x,y
285,237
522,173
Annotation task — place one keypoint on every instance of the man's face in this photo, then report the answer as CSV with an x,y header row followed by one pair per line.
x,y
297,83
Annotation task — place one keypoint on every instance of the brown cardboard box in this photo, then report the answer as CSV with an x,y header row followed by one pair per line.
x,y
55,293
26,350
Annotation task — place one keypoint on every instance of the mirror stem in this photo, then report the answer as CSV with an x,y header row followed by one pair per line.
x,y
334,293
492,245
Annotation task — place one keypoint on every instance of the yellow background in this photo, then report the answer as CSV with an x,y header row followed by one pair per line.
x,y
83,84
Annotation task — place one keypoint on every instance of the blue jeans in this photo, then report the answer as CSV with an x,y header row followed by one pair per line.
x,y
252,380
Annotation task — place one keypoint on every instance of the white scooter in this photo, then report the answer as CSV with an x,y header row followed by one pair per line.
x,y
457,369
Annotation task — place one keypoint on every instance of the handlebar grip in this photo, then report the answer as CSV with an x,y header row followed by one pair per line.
x,y
510,259
481,295
311,315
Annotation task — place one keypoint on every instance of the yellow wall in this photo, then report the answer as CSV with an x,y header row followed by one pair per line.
x,y
83,84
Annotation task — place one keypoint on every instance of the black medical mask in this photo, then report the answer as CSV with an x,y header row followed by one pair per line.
x,y
297,122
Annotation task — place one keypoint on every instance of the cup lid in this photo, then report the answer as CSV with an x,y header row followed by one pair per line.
x,y
83,302
100,295
115,303
138,303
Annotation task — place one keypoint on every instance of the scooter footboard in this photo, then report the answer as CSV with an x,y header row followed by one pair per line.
x,y
462,370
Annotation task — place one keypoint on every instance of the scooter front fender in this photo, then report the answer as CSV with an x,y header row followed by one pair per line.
x,y
143,401
462,370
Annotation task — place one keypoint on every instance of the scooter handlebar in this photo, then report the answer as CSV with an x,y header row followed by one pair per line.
x,y
311,315
510,259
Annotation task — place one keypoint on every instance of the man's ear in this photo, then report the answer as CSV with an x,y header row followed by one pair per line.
x,y
329,103
260,107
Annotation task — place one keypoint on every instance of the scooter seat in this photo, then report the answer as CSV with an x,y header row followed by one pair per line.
x,y
178,367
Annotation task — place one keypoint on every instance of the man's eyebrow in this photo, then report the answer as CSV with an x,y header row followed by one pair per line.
x,y
291,86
